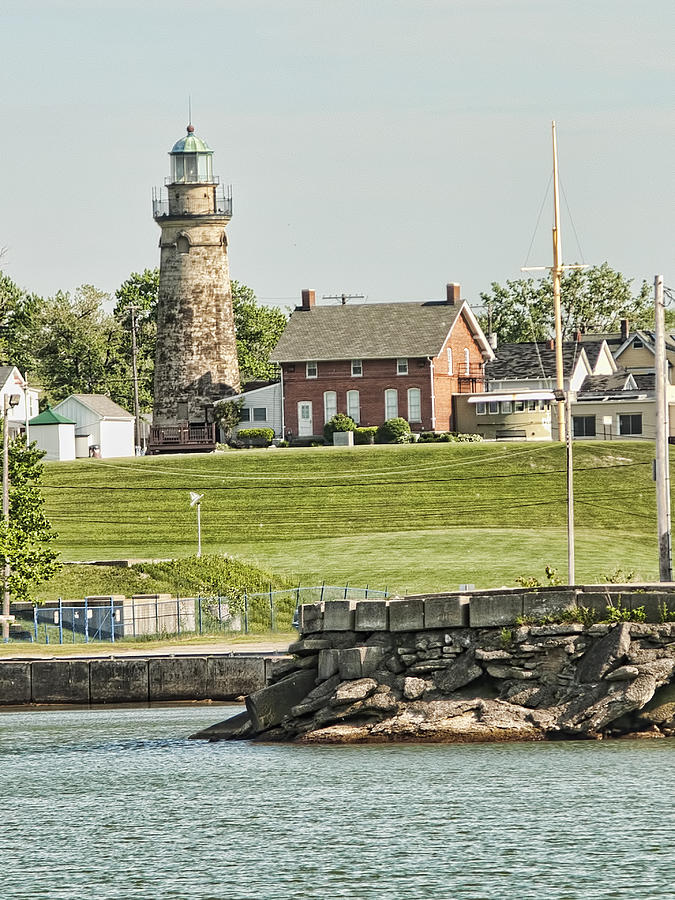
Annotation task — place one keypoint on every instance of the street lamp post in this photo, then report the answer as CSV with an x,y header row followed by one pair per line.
x,y
9,401
196,500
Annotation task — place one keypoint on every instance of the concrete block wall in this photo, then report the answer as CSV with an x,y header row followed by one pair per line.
x,y
480,609
136,680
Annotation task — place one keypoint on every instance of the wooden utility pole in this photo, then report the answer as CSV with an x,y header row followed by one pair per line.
x,y
134,368
662,462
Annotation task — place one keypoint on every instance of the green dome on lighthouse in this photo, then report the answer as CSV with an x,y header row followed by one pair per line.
x,y
191,160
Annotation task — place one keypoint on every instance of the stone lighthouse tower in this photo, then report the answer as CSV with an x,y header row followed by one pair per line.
x,y
196,356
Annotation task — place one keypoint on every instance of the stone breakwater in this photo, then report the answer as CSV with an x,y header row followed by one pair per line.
x,y
446,668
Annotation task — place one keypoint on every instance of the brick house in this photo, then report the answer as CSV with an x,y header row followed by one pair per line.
x,y
375,361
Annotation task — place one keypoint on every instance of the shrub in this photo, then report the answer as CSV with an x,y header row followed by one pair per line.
x,y
448,437
365,434
256,435
393,431
339,422
306,442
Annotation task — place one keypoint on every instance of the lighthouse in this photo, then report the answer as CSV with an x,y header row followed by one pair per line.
x,y
196,356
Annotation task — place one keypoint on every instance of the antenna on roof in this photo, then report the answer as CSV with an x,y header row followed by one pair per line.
x,y
189,110
343,297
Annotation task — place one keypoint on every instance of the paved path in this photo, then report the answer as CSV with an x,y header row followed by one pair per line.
x,y
31,651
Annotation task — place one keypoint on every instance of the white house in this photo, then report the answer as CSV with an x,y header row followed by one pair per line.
x,y
261,408
55,434
108,427
13,383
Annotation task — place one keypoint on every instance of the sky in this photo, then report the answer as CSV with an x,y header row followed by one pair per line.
x,y
379,147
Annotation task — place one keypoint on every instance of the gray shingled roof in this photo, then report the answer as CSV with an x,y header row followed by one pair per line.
x,y
531,360
366,331
616,381
103,405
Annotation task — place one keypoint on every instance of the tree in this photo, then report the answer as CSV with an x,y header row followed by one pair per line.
x,y
592,300
79,346
141,291
18,311
25,542
258,330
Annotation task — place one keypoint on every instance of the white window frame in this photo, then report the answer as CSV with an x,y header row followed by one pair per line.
x,y
481,409
467,362
354,406
357,368
257,409
449,353
506,407
329,410
388,395
312,369
413,391
401,366
493,407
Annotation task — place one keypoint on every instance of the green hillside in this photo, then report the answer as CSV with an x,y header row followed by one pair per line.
x,y
413,517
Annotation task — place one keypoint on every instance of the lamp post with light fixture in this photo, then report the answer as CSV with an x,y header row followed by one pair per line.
x,y
9,401
195,500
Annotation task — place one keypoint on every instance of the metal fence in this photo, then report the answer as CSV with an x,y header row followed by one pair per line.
x,y
117,618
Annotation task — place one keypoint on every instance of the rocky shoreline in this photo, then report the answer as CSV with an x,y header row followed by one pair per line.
x,y
467,684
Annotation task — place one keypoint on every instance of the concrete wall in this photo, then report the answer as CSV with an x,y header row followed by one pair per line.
x,y
482,609
135,680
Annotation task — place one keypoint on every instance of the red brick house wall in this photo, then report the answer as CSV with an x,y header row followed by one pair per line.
x,y
380,375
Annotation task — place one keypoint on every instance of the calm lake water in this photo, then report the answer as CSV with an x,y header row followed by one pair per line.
x,y
116,803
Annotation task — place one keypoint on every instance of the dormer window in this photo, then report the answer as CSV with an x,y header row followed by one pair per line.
x,y
637,343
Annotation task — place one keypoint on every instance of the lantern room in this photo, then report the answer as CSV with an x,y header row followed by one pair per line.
x,y
191,160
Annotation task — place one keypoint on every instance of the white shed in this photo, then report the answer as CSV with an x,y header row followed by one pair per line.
x,y
13,383
110,428
54,434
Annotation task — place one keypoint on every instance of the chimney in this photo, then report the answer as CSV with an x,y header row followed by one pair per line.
x,y
577,337
308,299
452,293
625,329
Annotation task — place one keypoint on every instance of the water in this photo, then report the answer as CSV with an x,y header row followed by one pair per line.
x,y
116,803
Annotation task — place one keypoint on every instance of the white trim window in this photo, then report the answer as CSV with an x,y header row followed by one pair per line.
x,y
506,407
259,413
390,404
357,368
449,354
493,406
481,409
401,366
414,405
329,405
467,362
312,369
354,406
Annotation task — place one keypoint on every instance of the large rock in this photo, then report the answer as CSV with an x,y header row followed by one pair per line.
x,y
594,710
461,672
269,706
236,728
606,654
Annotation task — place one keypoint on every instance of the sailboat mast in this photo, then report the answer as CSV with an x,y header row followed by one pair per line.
x,y
556,272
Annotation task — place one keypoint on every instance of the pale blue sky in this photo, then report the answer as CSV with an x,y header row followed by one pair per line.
x,y
381,147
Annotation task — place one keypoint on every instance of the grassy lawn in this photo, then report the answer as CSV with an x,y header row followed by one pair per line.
x,y
406,517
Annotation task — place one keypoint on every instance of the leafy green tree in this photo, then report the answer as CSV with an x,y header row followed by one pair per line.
x,y
258,330
18,311
79,346
25,542
592,300
141,291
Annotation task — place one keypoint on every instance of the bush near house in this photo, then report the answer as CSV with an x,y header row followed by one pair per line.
x,y
365,434
393,431
255,437
339,422
431,437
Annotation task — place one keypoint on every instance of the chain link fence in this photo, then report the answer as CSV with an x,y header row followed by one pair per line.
x,y
149,617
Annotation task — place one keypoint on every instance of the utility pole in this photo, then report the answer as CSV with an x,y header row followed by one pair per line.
x,y
556,273
570,488
134,368
9,400
662,462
